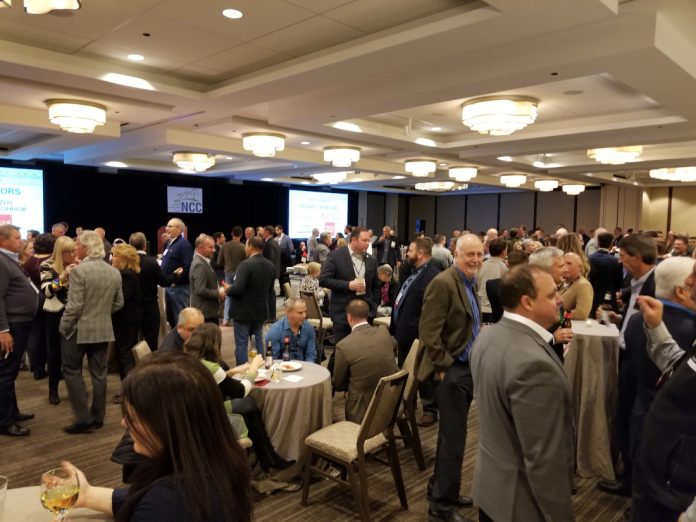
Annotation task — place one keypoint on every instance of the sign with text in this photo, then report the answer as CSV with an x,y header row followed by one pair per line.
x,y
21,198
184,200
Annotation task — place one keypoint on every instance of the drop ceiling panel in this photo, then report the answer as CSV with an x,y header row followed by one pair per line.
x,y
242,59
24,33
319,6
260,17
311,35
157,62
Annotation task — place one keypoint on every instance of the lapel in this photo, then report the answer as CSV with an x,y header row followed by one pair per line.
x,y
454,273
525,329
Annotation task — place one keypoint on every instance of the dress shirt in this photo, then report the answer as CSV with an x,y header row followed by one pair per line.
x,y
636,287
469,285
12,255
358,261
302,345
538,329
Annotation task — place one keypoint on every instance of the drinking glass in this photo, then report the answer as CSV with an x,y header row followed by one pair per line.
x,y
277,373
60,488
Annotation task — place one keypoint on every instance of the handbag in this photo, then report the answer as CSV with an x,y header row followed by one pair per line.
x,y
53,304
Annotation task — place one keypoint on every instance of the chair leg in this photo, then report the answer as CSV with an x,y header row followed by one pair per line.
x,y
306,477
396,470
352,480
415,437
364,491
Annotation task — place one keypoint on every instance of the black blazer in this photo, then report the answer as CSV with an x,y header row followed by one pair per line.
x,y
150,277
252,290
130,313
405,328
606,275
337,271
271,251
393,252
648,289
493,293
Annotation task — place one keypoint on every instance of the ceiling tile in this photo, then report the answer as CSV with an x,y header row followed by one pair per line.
x,y
242,59
119,53
319,6
315,34
22,33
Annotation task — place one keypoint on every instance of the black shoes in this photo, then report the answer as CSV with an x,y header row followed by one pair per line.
x,y
21,417
446,516
53,397
15,430
615,487
428,419
39,374
462,501
78,427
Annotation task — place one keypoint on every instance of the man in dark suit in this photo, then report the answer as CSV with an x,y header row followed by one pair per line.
x,y
231,254
219,240
252,294
150,277
189,319
18,303
407,312
271,251
606,273
638,254
287,253
449,324
177,254
362,359
526,454
205,294
349,273
387,248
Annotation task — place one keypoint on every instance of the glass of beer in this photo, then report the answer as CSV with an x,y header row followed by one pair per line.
x,y
60,488
277,372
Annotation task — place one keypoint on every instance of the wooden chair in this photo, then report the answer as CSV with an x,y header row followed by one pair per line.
x,y
322,325
140,351
287,288
346,444
406,420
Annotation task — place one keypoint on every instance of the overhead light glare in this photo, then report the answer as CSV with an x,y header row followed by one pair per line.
x,y
76,116
546,185
513,180
498,115
616,155
263,144
128,81
505,158
440,186
116,164
193,161
266,179
420,167
304,143
398,177
573,190
463,174
426,142
683,174
346,126
234,14
136,57
46,6
436,129
331,177
341,156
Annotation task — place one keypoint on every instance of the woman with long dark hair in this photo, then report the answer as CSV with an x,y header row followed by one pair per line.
x,y
204,344
193,469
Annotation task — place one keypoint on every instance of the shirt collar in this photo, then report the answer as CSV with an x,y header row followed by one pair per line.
x,y
542,332
358,325
637,284
10,254
683,308
467,282
142,252
203,257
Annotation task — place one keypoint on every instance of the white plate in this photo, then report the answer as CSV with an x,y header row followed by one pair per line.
x,y
261,375
291,366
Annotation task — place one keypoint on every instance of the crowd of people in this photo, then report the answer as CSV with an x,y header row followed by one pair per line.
x,y
487,308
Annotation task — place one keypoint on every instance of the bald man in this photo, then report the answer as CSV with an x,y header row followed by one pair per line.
x,y
576,291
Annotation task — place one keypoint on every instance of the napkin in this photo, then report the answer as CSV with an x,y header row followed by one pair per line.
x,y
293,378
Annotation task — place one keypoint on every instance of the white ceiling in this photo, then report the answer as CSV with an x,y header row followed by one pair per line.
x,y
607,73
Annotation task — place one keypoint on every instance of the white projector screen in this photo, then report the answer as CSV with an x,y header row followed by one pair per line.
x,y
21,198
323,210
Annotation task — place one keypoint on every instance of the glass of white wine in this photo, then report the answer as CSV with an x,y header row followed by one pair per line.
x,y
60,488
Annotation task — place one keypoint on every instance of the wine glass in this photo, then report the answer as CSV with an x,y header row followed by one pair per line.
x,y
60,488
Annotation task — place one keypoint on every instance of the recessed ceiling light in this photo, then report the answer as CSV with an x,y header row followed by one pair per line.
x,y
232,13
435,129
304,143
505,158
128,81
136,57
229,157
266,179
399,177
426,142
346,126
538,164
305,182
116,164
443,164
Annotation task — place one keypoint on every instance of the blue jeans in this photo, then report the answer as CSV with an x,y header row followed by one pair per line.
x,y
229,278
176,299
242,331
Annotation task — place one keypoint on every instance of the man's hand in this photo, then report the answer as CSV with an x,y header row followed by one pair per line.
x,y
357,286
652,310
562,335
6,344
441,375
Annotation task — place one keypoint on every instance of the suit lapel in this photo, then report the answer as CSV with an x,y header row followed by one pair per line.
x,y
461,290
546,346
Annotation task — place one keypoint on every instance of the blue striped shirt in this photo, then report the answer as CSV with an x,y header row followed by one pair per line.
x,y
469,285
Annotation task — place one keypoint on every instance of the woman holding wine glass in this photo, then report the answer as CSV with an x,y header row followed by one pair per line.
x,y
194,474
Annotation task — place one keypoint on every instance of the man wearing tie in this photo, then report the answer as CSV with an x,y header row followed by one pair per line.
x,y
18,303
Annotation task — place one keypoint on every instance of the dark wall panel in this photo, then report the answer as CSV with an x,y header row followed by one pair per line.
x,y
481,212
517,208
375,211
421,207
450,214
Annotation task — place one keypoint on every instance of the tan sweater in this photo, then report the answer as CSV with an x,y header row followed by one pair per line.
x,y
577,298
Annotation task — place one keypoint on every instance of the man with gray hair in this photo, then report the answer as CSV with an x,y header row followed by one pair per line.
x,y
177,254
592,246
321,250
205,293
189,319
86,329
312,242
296,329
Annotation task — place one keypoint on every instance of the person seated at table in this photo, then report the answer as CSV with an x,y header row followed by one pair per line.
x,y
576,291
198,473
310,282
363,357
388,289
204,344
296,329
189,319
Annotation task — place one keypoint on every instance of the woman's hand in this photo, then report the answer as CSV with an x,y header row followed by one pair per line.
x,y
85,486
241,369
256,363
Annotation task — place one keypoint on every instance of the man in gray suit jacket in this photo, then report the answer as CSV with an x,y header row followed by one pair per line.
x,y
95,293
362,359
525,461
205,294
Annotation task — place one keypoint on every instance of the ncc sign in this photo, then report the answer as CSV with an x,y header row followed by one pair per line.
x,y
184,200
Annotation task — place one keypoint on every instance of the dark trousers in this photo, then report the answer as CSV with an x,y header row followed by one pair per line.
x,y
454,395
150,324
125,338
73,354
624,411
9,368
427,391
54,361
341,329
644,509
36,347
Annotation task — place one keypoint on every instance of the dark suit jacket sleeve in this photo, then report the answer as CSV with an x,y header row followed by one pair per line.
x,y
240,280
328,278
118,301
341,374
432,322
